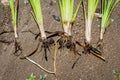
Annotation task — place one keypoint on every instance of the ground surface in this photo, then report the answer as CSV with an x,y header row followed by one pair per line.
x,y
88,66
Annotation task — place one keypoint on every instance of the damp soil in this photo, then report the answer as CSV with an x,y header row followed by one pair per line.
x,y
88,67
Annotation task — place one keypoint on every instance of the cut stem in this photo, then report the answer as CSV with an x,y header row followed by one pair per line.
x,y
37,14
67,28
101,34
88,31
68,15
14,12
41,28
107,8
92,5
15,32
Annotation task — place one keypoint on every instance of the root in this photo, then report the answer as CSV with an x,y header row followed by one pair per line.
x,y
46,44
97,55
51,34
4,32
75,63
36,34
65,41
17,47
55,52
89,49
34,51
5,41
100,45
35,63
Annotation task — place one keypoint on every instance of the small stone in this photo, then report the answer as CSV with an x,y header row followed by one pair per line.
x,y
56,18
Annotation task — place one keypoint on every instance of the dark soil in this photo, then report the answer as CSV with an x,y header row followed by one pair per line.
x,y
88,67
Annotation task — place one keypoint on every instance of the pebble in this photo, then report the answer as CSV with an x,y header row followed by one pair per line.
x,y
98,25
56,18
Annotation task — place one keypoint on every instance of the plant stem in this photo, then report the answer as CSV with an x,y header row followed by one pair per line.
x,y
101,34
15,32
92,5
67,28
41,28
88,30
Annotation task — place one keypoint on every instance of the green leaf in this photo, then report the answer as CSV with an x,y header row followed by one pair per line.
x,y
43,77
114,71
66,10
37,11
107,8
119,77
13,12
92,5
75,14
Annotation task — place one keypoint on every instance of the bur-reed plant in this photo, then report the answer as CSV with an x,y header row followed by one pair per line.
x,y
37,14
92,6
107,8
68,15
89,16
14,12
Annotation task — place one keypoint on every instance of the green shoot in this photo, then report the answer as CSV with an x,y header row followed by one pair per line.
x,y
119,77
37,14
92,5
14,11
67,15
107,8
31,77
43,77
116,73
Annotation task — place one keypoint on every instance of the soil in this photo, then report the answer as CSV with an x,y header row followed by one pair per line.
x,y
88,67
